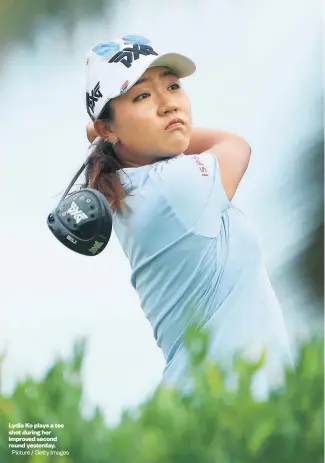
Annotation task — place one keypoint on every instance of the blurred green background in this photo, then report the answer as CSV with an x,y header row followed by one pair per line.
x,y
210,424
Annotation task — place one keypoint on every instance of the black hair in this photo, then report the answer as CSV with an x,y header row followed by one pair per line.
x,y
101,172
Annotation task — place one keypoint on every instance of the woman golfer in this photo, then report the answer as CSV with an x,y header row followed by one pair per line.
x,y
194,256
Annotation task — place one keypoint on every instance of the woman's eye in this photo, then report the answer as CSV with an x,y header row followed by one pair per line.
x,y
174,86
141,96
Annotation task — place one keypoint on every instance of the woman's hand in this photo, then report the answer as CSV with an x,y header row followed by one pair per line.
x,y
91,132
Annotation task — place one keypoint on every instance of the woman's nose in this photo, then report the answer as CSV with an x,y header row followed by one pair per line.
x,y
167,105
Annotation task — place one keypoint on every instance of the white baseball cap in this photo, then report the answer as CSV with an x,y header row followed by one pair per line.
x,y
114,67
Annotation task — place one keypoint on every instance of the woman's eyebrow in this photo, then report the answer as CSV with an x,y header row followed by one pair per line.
x,y
167,72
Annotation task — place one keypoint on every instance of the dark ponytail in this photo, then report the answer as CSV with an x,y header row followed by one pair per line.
x,y
101,170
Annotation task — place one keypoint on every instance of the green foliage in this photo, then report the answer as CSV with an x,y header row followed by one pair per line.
x,y
212,424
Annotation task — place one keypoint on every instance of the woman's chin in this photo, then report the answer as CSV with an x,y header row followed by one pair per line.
x,y
178,146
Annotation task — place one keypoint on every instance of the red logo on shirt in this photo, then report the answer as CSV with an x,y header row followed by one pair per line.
x,y
203,170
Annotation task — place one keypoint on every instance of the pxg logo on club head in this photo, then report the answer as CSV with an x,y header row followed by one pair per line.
x,y
82,222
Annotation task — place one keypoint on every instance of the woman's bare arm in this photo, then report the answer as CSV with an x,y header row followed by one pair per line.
x,y
203,139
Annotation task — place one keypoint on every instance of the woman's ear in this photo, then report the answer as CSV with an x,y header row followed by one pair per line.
x,y
104,130
91,132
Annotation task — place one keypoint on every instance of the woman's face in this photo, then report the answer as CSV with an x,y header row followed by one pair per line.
x,y
142,115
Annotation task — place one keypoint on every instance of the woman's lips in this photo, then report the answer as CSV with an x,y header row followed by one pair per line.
x,y
175,124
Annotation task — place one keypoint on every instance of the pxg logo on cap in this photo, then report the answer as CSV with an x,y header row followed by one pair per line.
x,y
122,53
125,50
93,97
106,49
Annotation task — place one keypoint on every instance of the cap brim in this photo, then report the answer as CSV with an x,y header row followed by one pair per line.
x,y
182,65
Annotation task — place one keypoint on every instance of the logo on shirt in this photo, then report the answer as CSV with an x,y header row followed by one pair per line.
x,y
204,171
